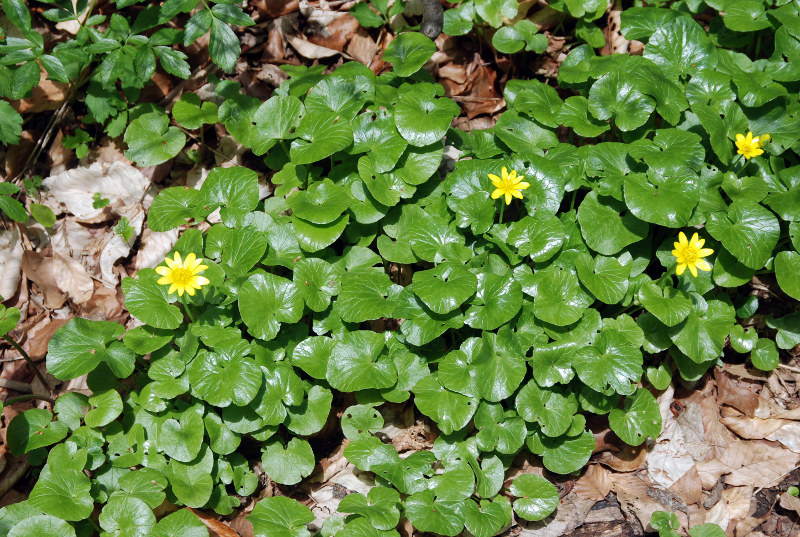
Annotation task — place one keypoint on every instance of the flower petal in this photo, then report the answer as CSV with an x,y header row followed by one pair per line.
x,y
508,198
693,241
164,271
739,138
517,194
702,264
172,288
693,270
705,252
504,173
680,268
201,280
199,269
166,280
682,239
494,178
523,186
190,259
496,194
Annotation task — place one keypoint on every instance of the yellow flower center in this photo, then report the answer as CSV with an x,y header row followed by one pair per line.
x,y
182,276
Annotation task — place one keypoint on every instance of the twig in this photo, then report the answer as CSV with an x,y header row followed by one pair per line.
x,y
789,368
16,385
472,99
30,362
28,397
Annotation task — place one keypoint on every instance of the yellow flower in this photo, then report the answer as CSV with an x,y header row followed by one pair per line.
x,y
182,276
749,146
509,186
690,254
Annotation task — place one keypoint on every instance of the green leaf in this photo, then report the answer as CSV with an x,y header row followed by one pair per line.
x,y
81,345
575,114
605,277
487,518
701,336
320,134
288,465
10,124
604,229
374,133
13,209
445,287
497,299
312,354
145,484
322,203
266,301
280,516
224,377
181,523
742,341
182,440
276,119
451,411
745,16
613,96
171,208
787,271
640,418
191,482
408,52
366,294
379,506
641,22
126,516
706,530
63,494
358,363
318,281
223,47
33,429
567,454
365,16
523,135
9,317
106,407
17,12
235,188
310,416
669,305
558,296
360,421
611,362
343,96
192,113
151,140
493,11
539,238
765,355
747,230
536,497
42,526
552,408
148,301
43,214
421,118
665,201
428,514
681,47
315,237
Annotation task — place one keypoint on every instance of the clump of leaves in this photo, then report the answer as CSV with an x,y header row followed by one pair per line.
x,y
573,296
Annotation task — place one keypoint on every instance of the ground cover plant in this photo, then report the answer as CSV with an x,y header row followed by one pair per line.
x,y
569,263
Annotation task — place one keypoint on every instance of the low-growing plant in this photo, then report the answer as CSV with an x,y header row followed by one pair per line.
x,y
538,283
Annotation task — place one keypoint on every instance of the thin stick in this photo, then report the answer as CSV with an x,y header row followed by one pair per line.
x,y
789,368
29,397
30,362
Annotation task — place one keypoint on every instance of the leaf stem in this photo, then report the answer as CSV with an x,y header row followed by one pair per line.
x,y
502,209
28,397
27,358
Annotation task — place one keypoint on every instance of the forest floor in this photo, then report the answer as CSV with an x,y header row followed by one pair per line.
x,y
730,443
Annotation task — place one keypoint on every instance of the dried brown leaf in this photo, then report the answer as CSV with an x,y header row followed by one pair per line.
x,y
594,484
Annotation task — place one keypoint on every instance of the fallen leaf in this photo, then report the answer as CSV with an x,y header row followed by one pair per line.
x,y
217,528
594,484
790,502
738,392
154,247
641,501
73,190
337,33
72,278
362,47
628,459
10,261
717,435
787,432
571,513
39,270
748,463
309,50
